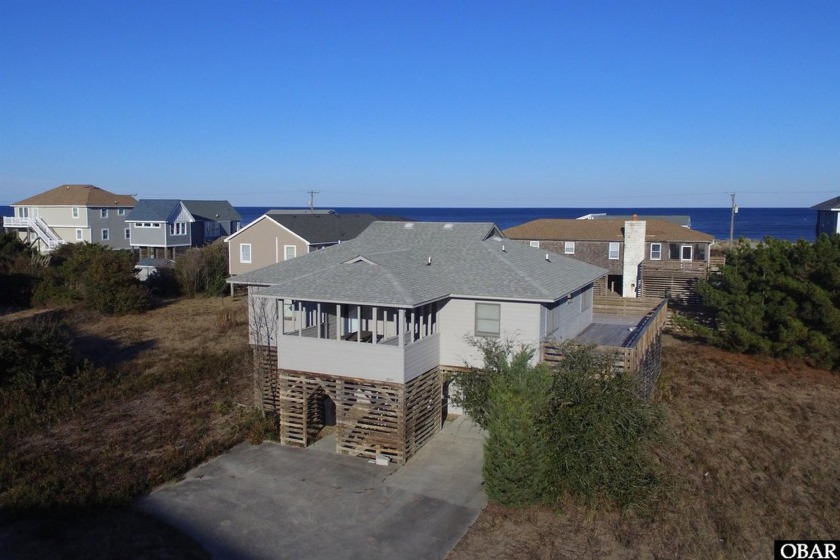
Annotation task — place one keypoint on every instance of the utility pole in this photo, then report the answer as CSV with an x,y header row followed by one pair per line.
x,y
732,220
312,199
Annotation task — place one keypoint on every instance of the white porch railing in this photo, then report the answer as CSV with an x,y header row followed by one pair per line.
x,y
45,233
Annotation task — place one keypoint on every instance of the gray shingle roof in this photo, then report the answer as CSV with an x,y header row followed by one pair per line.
x,y
159,210
152,209
387,265
324,228
830,204
212,210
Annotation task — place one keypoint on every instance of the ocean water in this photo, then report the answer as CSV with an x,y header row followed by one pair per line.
x,y
751,223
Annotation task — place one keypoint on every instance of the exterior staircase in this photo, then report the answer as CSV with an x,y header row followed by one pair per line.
x,y
44,232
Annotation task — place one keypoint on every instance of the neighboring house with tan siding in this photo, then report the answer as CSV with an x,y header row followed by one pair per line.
x,y
280,236
72,214
649,257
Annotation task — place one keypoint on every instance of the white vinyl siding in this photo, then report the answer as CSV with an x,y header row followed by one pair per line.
x,y
614,250
569,248
488,319
586,301
289,252
656,251
245,253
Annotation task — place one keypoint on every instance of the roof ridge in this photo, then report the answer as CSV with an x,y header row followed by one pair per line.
x,y
515,269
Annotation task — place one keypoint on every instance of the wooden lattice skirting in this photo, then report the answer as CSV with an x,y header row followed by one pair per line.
x,y
372,418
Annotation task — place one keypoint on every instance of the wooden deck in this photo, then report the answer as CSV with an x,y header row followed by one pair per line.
x,y
634,339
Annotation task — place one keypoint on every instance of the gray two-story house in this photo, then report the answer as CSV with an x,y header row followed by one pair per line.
x,y
365,331
165,228
72,214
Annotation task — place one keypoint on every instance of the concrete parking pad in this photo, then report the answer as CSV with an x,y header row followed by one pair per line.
x,y
272,501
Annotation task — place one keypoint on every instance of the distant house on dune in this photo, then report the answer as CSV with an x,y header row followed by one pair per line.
x,y
828,216
165,228
72,214
280,235
657,258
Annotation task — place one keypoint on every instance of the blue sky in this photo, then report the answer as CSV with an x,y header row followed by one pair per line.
x,y
452,103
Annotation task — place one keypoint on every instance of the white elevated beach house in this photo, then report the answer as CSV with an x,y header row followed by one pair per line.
x,y
365,331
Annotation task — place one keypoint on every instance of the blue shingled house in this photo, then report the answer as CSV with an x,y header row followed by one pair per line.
x,y
165,228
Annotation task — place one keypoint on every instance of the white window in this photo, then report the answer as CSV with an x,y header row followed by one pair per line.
x,y
106,235
23,212
686,252
245,253
103,212
290,251
120,211
535,244
79,235
75,211
178,228
488,319
569,248
656,251
128,233
614,250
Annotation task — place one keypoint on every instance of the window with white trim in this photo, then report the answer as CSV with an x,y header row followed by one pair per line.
x,y
103,212
245,253
289,252
534,244
656,251
488,319
106,235
75,211
614,250
687,252
79,235
178,228
569,248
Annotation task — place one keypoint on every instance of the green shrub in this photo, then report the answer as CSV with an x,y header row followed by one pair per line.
x,y
573,428
203,270
19,270
34,353
101,278
600,431
779,298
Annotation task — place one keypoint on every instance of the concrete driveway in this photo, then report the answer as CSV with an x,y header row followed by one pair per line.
x,y
272,501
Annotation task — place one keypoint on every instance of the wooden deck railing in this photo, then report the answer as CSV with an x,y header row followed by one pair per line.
x,y
640,354
617,305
